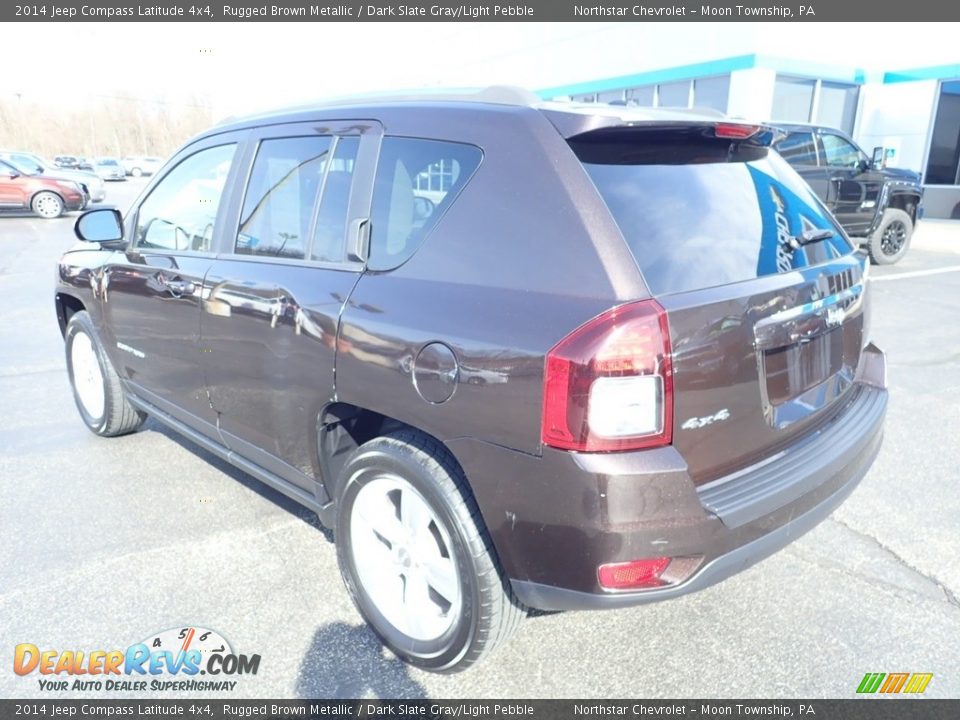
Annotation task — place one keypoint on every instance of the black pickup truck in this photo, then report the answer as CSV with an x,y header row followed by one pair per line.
x,y
878,206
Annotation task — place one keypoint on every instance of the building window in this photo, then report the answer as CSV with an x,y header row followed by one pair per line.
x,y
609,96
943,162
674,94
585,98
711,92
793,99
837,105
642,96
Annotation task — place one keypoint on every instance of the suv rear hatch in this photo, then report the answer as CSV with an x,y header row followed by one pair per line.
x,y
763,292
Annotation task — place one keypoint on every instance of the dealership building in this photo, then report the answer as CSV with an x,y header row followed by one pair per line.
x,y
912,114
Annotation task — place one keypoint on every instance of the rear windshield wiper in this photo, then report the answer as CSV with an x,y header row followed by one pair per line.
x,y
810,236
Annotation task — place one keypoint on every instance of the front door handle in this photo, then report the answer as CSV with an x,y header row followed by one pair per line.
x,y
178,287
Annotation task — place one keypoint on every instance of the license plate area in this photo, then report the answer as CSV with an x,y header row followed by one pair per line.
x,y
791,371
807,355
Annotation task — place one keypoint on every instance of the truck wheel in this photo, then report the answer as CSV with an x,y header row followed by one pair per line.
x,y
891,240
96,385
416,558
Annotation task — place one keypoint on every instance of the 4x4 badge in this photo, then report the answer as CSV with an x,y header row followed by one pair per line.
x,y
694,423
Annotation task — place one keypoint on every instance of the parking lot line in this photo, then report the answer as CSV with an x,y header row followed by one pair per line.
x,y
917,273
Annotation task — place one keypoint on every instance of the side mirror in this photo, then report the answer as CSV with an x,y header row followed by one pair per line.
x,y
103,225
864,164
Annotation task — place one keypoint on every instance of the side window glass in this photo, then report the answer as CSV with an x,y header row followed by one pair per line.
x,y
329,239
798,149
180,212
279,203
838,152
416,181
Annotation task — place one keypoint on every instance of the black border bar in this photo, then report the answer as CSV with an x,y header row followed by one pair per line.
x,y
485,11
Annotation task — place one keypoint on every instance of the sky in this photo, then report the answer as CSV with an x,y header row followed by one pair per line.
x,y
243,67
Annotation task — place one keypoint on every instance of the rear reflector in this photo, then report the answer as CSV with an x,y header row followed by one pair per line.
x,y
648,573
633,575
735,131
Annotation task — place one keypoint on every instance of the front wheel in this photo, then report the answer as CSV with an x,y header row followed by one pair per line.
x,y
136,172
416,557
891,240
100,399
47,205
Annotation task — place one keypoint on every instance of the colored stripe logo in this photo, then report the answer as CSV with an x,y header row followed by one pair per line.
x,y
893,683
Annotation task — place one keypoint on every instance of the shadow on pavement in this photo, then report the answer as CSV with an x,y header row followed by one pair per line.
x,y
346,661
264,491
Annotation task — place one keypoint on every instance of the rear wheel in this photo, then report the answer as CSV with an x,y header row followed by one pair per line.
x,y
891,240
136,172
47,205
96,385
416,557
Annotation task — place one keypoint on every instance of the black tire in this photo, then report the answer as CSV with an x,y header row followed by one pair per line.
x,y
136,172
47,204
489,613
891,240
118,416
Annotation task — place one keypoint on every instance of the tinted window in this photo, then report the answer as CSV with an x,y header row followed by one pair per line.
x,y
180,212
712,92
329,239
943,163
699,214
837,106
416,181
641,95
279,202
674,94
798,149
838,152
792,99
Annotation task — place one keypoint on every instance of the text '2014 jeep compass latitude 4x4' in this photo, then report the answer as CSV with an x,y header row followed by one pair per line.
x,y
519,355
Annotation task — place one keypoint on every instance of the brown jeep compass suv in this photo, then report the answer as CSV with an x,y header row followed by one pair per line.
x,y
517,354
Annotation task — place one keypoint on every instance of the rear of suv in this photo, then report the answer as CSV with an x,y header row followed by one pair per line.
x,y
518,355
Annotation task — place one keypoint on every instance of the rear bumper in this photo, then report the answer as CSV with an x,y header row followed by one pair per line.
x,y
574,512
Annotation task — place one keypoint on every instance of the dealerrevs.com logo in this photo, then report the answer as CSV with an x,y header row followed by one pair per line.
x,y
172,660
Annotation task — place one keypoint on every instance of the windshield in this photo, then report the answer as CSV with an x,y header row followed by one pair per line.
x,y
20,167
106,162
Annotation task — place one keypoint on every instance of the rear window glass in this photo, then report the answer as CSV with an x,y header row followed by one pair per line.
x,y
699,213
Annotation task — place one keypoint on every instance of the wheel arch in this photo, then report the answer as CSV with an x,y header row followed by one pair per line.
x,y
67,305
906,201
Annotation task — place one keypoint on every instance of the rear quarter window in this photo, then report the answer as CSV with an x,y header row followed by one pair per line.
x,y
699,214
417,181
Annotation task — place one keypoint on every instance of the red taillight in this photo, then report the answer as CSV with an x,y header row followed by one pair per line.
x,y
633,575
609,384
735,131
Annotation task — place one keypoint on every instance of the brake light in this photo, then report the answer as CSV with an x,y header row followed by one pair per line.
x,y
735,131
609,384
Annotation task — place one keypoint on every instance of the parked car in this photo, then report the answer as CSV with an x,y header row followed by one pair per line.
x,y
85,164
109,168
141,165
67,162
22,189
89,182
572,259
878,206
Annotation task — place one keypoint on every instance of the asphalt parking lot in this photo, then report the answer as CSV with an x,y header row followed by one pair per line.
x,y
107,542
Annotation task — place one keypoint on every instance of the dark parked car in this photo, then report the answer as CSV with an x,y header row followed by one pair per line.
x,y
24,189
878,206
67,162
671,332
